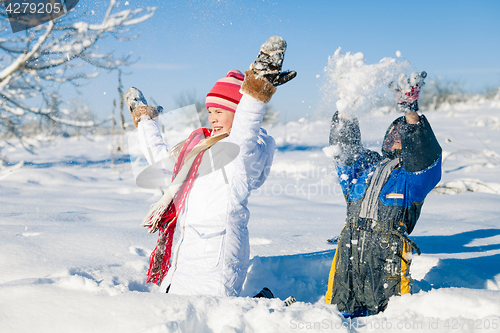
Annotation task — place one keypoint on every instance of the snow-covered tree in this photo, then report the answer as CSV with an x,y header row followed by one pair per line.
x,y
35,63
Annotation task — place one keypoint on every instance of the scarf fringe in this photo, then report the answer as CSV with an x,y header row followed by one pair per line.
x,y
153,218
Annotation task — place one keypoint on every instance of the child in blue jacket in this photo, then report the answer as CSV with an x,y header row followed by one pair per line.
x,y
384,195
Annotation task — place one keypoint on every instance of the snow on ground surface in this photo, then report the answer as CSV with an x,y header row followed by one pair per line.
x,y
73,257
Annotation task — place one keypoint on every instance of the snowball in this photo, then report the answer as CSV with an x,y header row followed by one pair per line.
x,y
342,105
332,151
356,85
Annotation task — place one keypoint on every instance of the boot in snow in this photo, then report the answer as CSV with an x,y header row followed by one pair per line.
x,y
290,300
264,293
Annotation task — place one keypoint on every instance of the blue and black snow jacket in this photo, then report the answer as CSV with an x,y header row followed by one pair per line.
x,y
384,194
416,174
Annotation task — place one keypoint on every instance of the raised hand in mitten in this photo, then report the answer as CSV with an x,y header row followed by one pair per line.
x,y
265,72
138,106
270,61
407,91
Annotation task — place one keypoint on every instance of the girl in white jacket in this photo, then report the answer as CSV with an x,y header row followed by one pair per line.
x,y
203,245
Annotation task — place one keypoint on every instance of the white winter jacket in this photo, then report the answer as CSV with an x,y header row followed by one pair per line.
x,y
211,249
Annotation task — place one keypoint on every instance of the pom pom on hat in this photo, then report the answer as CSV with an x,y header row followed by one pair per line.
x,y
226,92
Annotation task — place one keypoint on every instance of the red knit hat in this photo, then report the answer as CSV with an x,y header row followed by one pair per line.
x,y
226,92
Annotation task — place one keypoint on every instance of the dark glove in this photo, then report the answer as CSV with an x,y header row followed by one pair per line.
x,y
270,60
407,91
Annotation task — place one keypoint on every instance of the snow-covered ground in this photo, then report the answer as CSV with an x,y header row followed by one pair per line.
x,y
73,257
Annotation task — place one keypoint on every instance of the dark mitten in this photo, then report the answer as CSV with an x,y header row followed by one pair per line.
x,y
265,72
270,61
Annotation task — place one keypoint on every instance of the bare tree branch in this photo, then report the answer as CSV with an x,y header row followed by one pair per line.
x,y
25,57
35,63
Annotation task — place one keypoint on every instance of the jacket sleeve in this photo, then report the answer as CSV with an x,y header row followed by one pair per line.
x,y
346,136
151,141
418,185
351,159
422,163
256,147
420,146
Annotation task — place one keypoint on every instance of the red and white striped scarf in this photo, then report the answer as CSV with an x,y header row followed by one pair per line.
x,y
163,216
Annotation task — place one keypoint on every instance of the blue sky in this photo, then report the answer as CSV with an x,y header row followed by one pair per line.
x,y
188,45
